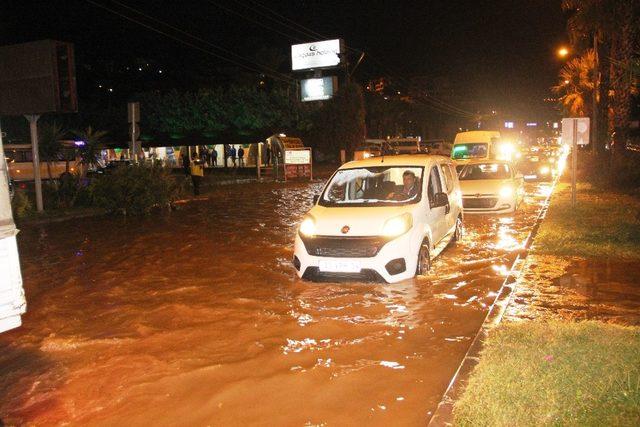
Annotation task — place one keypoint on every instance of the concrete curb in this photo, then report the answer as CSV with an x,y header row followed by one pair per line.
x,y
443,415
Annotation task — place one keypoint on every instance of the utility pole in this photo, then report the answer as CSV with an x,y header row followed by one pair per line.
x,y
594,96
35,152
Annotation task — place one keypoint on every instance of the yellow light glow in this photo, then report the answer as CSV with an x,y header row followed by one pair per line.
x,y
398,225
506,191
563,52
308,227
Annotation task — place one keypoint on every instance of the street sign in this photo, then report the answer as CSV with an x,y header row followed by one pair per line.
x,y
575,131
582,134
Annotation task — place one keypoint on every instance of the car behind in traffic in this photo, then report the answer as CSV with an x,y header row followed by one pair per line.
x,y
490,186
381,218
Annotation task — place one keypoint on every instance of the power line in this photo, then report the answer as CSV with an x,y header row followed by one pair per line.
x,y
262,24
304,30
200,39
194,46
451,109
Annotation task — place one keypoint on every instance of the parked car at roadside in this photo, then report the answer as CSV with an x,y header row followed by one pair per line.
x,y
491,186
381,218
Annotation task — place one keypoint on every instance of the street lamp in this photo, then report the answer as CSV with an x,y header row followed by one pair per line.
x,y
563,52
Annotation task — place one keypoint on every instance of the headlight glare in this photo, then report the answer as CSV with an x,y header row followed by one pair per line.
x,y
506,191
308,227
398,225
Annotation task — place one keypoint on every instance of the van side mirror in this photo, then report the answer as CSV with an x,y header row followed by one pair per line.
x,y
439,200
315,198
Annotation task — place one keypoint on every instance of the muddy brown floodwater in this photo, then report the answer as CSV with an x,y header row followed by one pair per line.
x,y
197,318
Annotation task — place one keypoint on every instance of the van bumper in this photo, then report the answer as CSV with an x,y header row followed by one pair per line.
x,y
394,261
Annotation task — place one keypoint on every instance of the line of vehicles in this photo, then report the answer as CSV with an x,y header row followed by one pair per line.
x,y
387,214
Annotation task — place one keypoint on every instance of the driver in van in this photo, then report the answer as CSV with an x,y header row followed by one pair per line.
x,y
409,187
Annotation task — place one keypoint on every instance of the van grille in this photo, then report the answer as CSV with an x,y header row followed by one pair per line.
x,y
344,247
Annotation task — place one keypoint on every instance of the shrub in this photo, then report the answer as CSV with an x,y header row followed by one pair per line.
x,y
67,192
21,205
135,189
620,172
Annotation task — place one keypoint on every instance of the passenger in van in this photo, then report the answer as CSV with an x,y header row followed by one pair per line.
x,y
409,187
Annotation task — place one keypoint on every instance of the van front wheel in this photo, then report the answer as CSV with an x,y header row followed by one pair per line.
x,y
424,259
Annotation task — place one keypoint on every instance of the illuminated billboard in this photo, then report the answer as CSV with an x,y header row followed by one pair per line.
x,y
309,56
317,89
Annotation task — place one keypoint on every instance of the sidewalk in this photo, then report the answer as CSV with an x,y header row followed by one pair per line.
x,y
568,348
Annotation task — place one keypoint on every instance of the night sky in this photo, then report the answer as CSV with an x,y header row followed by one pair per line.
x,y
499,51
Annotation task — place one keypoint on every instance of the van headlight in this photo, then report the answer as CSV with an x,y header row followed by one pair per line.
x,y
544,170
398,225
308,227
506,191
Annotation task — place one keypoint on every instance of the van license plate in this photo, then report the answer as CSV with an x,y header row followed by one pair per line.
x,y
331,266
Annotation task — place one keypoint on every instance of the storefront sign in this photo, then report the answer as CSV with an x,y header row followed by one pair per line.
x,y
323,54
317,89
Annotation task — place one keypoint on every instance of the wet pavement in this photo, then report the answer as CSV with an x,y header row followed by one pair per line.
x,y
196,317
577,289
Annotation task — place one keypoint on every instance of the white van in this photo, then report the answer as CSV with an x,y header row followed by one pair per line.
x,y
477,144
382,217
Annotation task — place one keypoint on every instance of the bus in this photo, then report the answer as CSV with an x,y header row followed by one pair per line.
x,y
20,162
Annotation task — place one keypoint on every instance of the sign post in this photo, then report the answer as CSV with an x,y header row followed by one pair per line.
x,y
576,132
133,115
35,152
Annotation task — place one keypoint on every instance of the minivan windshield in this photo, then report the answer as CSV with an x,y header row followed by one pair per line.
x,y
485,171
470,151
374,186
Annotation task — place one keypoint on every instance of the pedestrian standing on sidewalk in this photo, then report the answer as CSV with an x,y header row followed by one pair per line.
x,y
232,154
214,157
241,157
197,173
268,154
185,163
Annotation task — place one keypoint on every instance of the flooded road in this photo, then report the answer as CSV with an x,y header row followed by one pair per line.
x,y
197,318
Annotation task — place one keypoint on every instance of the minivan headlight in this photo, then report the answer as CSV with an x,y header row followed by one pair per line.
x,y
307,227
506,191
398,225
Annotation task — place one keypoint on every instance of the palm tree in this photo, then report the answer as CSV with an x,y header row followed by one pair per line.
x,y
609,26
622,79
50,143
93,143
576,86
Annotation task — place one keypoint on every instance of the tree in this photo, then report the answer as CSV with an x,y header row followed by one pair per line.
x,y
50,143
622,79
577,82
90,150
339,122
609,26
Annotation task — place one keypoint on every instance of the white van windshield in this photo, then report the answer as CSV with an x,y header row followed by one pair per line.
x,y
379,185
470,150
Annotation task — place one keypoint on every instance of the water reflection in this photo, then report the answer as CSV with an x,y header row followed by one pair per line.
x,y
198,316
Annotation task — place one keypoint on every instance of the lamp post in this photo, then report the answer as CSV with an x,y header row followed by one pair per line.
x,y
563,52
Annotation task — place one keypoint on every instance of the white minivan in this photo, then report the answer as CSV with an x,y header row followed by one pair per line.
x,y
381,218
